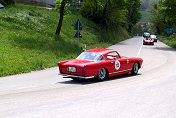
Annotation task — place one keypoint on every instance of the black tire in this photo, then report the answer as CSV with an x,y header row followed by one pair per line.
x,y
135,69
102,74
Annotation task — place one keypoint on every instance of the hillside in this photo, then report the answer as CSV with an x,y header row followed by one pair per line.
x,y
28,41
149,1
145,9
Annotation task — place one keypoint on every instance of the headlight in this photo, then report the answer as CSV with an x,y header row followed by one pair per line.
x,y
71,69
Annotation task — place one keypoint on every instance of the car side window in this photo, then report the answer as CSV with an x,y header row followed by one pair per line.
x,y
100,58
112,55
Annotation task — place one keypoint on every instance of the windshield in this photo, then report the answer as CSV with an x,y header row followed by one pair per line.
x,y
91,56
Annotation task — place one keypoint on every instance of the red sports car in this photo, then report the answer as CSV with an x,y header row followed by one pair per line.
x,y
148,41
100,64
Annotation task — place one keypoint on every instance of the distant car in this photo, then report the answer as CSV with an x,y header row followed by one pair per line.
x,y
148,41
99,63
146,35
153,37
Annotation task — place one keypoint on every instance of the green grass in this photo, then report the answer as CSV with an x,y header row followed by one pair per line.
x,y
28,41
170,41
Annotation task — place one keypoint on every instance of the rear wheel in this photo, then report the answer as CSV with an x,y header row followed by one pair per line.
x,y
135,69
102,74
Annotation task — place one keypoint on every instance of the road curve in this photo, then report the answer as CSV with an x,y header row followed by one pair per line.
x,y
44,94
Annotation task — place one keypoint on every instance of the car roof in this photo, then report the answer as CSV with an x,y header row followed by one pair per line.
x,y
101,50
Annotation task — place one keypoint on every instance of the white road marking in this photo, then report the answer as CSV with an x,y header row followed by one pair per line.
x,y
139,50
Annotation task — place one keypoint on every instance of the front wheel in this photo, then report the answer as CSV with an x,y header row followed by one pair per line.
x,y
102,74
135,69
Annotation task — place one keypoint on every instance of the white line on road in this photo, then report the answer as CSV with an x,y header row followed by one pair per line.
x,y
139,50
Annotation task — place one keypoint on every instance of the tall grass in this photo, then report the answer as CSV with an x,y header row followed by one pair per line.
x,y
28,41
170,41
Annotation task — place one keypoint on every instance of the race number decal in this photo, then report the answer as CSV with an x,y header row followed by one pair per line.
x,y
117,64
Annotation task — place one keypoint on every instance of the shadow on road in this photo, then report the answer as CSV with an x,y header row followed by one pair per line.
x,y
165,48
93,81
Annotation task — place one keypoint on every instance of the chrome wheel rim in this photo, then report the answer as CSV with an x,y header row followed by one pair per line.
x,y
135,68
102,73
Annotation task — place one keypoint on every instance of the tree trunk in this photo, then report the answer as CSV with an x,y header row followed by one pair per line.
x,y
104,13
61,17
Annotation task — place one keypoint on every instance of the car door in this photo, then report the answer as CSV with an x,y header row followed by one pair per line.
x,y
117,64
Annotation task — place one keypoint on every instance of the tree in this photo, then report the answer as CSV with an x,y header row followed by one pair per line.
x,y
133,15
112,13
63,3
62,8
157,18
169,8
145,5
107,13
104,12
163,15
115,13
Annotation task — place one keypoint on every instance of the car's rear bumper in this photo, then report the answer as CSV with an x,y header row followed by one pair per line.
x,y
148,43
75,76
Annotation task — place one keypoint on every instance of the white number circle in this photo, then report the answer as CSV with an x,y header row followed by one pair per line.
x,y
117,65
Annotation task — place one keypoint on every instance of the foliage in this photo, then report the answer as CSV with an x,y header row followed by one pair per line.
x,y
93,9
170,41
61,4
164,15
168,10
133,15
137,30
116,13
7,2
112,13
145,16
146,4
28,41
66,10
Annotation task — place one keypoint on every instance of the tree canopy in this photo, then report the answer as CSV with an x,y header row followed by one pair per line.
x,y
107,13
164,15
111,13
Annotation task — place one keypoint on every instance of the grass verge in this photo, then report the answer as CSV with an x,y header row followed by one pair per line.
x,y
170,41
28,41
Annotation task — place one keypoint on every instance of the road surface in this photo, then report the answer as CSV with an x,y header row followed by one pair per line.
x,y
45,94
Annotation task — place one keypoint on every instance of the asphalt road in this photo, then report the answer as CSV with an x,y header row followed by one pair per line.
x,y
45,94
